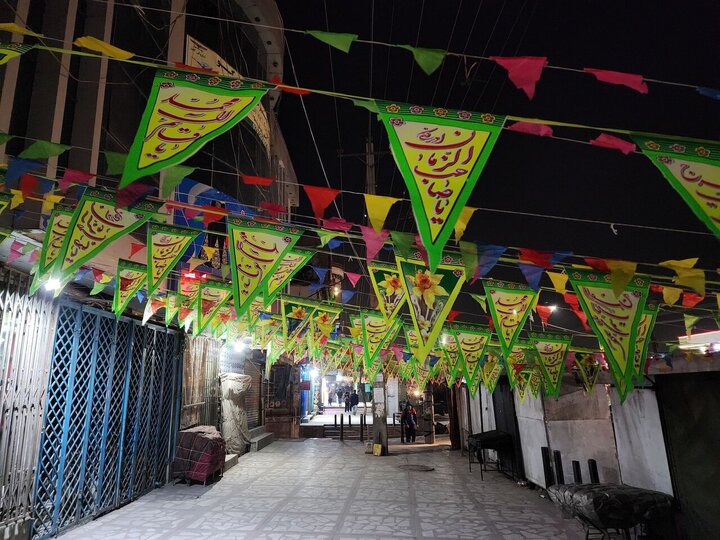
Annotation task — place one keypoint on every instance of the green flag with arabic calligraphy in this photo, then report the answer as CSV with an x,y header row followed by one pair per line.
x,y
256,250
491,369
589,369
290,265
440,154
377,333
95,224
57,228
552,349
614,320
509,305
322,323
166,244
213,294
693,170
296,313
520,357
471,341
8,51
129,279
431,296
184,111
642,340
173,300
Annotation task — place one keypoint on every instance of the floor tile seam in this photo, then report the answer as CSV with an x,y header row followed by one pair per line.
x,y
348,502
276,508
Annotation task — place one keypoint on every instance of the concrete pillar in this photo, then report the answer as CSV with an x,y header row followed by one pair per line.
x,y
393,399
429,414
380,434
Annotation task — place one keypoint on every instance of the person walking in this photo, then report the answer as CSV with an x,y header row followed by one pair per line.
x,y
354,400
403,423
410,424
347,402
339,394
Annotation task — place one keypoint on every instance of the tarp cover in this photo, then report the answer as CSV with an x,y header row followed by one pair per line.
x,y
200,453
234,416
610,505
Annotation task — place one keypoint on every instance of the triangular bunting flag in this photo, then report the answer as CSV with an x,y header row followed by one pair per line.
x,y
166,246
55,233
291,264
589,369
551,349
431,296
462,222
43,150
471,342
213,294
693,170
334,39
256,250
131,276
510,305
644,334
8,51
523,71
173,301
559,281
353,277
440,154
613,319
94,225
378,207
296,313
184,111
388,288
491,370
373,241
377,333
320,199
428,59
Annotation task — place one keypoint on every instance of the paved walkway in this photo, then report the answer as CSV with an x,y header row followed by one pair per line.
x,y
322,489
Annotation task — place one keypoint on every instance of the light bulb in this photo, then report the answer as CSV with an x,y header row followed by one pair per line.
x,y
52,284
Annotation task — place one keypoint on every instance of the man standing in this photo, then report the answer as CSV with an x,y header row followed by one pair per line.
x,y
354,400
410,423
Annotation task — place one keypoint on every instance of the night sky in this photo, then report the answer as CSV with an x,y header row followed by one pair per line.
x,y
670,41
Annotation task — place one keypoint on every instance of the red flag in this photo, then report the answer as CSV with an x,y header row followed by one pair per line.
x,y
256,180
544,312
657,288
531,128
523,71
212,214
631,80
574,303
184,312
191,213
614,143
131,194
691,299
320,198
453,313
28,184
272,208
97,274
597,264
135,247
71,176
337,224
538,258
289,89
125,283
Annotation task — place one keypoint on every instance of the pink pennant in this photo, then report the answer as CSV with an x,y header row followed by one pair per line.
x,y
34,254
531,128
131,194
397,351
15,253
357,348
384,354
353,277
631,80
614,143
373,241
320,199
71,176
523,71
421,249
453,313
135,247
337,224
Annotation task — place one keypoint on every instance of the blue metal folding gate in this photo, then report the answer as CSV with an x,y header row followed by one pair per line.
x,y
110,416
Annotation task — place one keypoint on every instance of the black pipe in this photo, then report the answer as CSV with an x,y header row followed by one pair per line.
x,y
547,468
577,473
594,477
342,427
559,476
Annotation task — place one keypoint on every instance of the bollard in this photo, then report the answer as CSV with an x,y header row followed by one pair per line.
x,y
342,427
594,477
362,436
335,422
577,473
349,420
547,468
559,476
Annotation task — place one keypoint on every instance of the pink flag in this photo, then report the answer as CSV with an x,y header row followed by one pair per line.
x,y
615,143
523,71
373,241
15,251
353,277
384,354
34,255
397,351
631,80
131,194
357,348
71,176
337,224
320,199
421,249
531,128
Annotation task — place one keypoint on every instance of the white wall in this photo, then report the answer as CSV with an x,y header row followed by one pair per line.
x,y
533,436
640,445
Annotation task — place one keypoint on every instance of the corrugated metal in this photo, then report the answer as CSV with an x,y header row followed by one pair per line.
x,y
253,397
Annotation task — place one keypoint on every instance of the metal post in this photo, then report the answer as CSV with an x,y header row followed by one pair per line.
x,y
342,427
547,468
429,414
380,434
577,473
349,420
558,467
335,421
594,477
362,436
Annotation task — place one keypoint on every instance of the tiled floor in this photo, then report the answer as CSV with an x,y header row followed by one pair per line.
x,y
321,488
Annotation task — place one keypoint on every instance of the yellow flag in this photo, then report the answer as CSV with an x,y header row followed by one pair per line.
x,y
17,198
559,281
671,295
621,272
533,306
462,221
717,297
378,207
17,29
49,203
355,332
691,277
675,264
209,251
98,45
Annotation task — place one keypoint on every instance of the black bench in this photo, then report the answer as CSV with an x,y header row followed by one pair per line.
x,y
497,440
